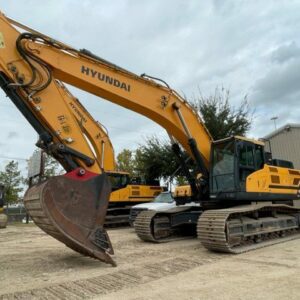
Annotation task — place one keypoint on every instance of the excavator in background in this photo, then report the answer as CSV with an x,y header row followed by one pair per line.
x,y
3,217
245,202
126,190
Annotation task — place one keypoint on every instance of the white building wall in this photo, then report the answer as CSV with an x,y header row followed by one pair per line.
x,y
285,144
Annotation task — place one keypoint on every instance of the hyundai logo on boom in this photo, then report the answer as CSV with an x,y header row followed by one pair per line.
x,y
107,79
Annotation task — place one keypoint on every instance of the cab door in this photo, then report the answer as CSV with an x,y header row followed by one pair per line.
x,y
246,164
250,159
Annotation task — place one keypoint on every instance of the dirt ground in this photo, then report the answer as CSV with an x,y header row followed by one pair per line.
x,y
36,266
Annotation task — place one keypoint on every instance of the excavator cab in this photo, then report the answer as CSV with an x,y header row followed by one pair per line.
x,y
118,180
233,160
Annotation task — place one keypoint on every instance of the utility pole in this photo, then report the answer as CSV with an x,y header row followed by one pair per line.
x,y
274,119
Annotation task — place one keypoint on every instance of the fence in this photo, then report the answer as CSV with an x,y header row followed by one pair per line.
x,y
15,213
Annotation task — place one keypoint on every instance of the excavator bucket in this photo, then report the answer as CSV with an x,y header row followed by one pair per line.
x,y
72,208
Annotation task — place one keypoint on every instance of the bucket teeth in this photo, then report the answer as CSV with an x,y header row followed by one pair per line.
x,y
100,238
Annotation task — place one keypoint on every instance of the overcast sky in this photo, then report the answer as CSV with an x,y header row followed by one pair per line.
x,y
249,47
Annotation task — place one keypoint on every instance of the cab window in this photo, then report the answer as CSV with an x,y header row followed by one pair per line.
x,y
259,157
246,156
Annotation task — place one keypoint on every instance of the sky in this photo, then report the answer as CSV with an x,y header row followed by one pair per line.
x,y
249,47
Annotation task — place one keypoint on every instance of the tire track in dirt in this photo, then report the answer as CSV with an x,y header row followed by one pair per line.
x,y
114,281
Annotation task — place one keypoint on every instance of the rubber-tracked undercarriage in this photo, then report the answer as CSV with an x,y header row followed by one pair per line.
x,y
232,230
241,229
173,224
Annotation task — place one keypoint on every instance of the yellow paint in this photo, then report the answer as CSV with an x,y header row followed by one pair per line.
x,y
2,43
261,180
183,191
119,86
144,96
135,193
60,112
257,142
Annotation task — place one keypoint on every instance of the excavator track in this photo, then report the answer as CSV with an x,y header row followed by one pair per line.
x,y
151,226
241,229
65,209
143,226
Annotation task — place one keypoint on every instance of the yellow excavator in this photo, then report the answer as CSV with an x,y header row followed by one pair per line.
x,y
126,190
245,202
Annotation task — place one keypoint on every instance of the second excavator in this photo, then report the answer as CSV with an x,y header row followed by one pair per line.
x,y
245,201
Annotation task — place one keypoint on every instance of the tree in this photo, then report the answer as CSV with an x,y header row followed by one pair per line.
x,y
146,162
125,161
11,179
155,159
221,119
51,166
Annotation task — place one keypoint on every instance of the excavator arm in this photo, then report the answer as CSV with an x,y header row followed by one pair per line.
x,y
56,120
72,207
94,132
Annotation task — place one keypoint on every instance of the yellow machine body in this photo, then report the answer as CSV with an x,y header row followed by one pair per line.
x,y
273,179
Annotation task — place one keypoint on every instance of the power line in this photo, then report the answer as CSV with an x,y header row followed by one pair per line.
x,y
14,158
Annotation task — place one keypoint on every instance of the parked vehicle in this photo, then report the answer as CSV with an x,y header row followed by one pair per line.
x,y
163,201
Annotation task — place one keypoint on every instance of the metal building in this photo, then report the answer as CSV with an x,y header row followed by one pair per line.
x,y
285,143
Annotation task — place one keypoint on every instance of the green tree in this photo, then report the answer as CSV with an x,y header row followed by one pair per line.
x,y
158,161
222,119
155,159
51,166
125,161
11,179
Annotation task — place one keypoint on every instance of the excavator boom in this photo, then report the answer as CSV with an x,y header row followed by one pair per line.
x,y
93,74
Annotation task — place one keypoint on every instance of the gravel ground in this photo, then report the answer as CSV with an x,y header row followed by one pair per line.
x,y
36,266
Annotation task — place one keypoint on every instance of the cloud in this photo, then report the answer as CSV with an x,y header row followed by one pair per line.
x,y
250,47
277,93
280,84
286,52
12,135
